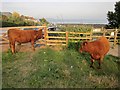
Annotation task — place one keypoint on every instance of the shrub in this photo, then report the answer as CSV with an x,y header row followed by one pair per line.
x,y
74,45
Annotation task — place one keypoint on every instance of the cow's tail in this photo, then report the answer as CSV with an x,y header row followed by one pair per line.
x,y
8,34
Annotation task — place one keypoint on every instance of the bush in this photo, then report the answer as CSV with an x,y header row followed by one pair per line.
x,y
8,24
74,45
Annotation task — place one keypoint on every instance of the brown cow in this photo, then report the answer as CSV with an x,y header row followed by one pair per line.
x,y
97,49
23,36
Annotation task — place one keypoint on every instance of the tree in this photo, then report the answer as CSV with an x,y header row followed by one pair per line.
x,y
17,20
112,20
4,18
117,12
114,17
16,15
43,21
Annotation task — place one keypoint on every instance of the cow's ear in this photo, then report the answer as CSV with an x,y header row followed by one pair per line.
x,y
42,29
85,43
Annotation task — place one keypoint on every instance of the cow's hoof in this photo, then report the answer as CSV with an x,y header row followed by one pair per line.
x,y
91,67
98,67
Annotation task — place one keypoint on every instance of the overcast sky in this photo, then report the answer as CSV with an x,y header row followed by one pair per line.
x,y
64,10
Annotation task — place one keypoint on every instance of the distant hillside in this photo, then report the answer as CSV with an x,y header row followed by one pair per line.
x,y
93,25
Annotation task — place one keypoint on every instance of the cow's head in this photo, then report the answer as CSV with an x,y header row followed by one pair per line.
x,y
84,46
39,34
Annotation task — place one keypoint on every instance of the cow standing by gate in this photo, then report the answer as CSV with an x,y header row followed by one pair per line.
x,y
23,36
97,49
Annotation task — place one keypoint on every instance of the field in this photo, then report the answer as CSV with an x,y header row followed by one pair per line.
x,y
52,68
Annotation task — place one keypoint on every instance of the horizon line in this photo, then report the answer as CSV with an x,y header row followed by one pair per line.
x,y
61,1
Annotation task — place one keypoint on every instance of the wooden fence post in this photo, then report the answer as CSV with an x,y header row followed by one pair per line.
x,y
115,38
66,38
45,35
104,31
91,33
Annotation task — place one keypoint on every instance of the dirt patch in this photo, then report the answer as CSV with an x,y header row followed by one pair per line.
x,y
115,51
27,48
22,48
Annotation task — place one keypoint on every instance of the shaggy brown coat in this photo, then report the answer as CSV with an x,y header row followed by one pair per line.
x,y
97,49
23,36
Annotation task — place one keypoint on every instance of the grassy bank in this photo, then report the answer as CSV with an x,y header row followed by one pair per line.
x,y
47,68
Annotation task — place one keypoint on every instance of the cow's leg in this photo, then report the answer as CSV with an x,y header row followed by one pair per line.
x,y
10,44
32,43
19,46
92,62
13,47
99,62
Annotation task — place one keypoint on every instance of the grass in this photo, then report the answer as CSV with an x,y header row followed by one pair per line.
x,y
79,28
47,68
